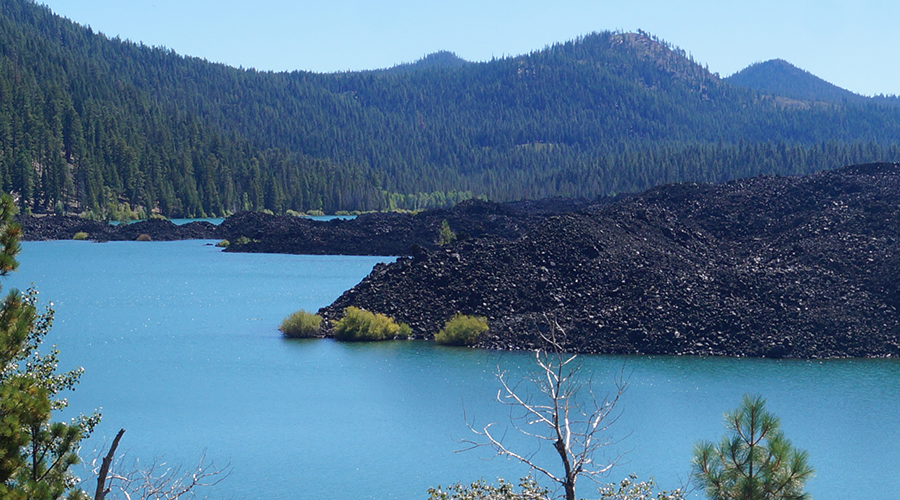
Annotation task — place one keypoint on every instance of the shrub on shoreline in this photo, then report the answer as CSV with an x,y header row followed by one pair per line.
x,y
461,330
359,324
80,235
301,325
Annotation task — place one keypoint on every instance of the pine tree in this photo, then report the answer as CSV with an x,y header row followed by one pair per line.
x,y
35,453
754,462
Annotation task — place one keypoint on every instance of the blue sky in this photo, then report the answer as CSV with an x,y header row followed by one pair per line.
x,y
854,44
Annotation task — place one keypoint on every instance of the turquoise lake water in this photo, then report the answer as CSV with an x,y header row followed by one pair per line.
x,y
180,348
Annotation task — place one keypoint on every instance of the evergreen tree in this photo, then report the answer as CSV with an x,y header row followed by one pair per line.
x,y
35,452
754,461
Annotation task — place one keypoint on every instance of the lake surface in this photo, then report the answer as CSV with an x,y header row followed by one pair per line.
x,y
180,348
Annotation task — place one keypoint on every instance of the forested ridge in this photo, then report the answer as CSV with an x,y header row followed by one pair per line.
x,y
93,123
782,78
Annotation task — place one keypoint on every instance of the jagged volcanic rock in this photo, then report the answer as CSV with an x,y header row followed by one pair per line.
x,y
54,227
386,233
368,234
773,266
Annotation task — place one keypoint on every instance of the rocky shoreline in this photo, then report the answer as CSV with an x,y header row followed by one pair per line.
x,y
384,234
53,227
800,267
766,267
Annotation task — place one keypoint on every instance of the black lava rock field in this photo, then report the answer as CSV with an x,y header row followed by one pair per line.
x,y
53,227
801,267
389,233
385,234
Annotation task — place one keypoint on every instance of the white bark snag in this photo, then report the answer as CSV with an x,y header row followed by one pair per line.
x,y
553,412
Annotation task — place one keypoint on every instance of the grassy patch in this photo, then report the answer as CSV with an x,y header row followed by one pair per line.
x,y
301,325
461,330
358,324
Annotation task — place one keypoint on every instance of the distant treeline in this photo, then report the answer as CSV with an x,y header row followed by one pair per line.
x,y
89,123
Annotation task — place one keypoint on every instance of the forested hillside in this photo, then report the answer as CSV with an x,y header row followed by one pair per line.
x,y
93,123
779,77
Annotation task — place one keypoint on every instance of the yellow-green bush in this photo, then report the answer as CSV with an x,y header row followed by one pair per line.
x,y
359,324
446,235
223,244
301,324
461,330
144,237
80,235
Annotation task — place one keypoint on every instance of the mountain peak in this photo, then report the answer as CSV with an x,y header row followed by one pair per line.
x,y
626,51
777,76
439,59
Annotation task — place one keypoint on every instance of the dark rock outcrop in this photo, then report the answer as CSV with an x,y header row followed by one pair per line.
x,y
387,233
772,266
54,227
369,234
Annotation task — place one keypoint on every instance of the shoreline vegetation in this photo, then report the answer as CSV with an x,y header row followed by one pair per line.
x,y
799,267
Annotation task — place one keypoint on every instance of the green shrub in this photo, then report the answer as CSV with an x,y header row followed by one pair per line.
x,y
223,244
242,240
359,324
461,330
300,325
80,235
315,213
157,217
114,211
446,235
479,490
144,237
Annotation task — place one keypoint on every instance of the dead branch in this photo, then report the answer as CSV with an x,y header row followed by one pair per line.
x,y
158,480
552,412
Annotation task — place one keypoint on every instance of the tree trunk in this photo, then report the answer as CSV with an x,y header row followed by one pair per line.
x,y
569,483
570,490
102,490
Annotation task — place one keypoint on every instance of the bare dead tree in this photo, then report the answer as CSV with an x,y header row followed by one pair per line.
x,y
548,407
102,489
156,481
